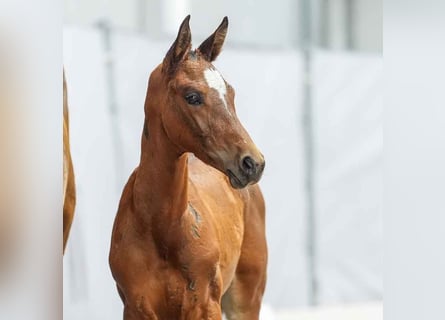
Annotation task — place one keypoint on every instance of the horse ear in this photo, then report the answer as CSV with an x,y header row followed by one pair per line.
x,y
211,47
179,48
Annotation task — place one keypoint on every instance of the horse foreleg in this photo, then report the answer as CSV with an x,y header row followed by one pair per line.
x,y
121,293
138,312
242,301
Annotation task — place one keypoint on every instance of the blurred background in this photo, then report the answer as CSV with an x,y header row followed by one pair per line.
x,y
308,78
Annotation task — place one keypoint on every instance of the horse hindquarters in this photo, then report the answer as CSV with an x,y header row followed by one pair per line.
x,y
242,301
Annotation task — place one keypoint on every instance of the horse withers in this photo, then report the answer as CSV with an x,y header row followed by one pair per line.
x,y
189,235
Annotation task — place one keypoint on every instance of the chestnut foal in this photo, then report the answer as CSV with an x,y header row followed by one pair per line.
x,y
189,236
69,187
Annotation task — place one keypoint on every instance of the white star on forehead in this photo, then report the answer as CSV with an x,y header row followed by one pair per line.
x,y
215,80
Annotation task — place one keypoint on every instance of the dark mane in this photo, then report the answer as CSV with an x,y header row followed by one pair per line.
x,y
193,55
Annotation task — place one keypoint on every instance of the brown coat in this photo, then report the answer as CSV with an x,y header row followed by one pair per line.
x,y
189,235
69,188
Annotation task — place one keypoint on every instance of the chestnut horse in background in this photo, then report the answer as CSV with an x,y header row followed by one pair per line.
x,y
69,189
189,236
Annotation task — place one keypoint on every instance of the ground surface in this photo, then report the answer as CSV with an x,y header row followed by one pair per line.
x,y
368,311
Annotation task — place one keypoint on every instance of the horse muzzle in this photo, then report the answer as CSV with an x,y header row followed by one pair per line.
x,y
248,171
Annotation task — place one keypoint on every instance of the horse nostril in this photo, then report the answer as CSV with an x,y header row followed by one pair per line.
x,y
249,165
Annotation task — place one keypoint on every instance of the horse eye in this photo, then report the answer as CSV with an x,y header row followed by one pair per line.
x,y
193,98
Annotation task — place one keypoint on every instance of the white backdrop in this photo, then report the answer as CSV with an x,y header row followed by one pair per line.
x,y
348,147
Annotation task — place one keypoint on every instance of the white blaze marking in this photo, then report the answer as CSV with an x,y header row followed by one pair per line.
x,y
215,80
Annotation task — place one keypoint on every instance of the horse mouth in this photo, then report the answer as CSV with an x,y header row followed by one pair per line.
x,y
235,182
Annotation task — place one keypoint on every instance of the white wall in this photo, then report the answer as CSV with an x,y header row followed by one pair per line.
x,y
259,23
369,25
337,20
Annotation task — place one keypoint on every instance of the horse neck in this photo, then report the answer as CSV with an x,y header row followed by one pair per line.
x,y
160,190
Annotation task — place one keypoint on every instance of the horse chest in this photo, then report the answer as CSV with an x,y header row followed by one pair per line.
x,y
196,265
215,234
184,289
